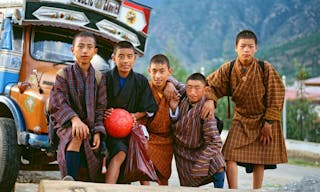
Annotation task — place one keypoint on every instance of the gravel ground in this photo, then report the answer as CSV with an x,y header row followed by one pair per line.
x,y
36,176
287,178
307,184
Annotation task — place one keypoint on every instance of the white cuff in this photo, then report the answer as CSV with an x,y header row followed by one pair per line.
x,y
174,115
150,114
145,132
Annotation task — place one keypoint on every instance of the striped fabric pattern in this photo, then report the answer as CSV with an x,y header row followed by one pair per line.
x,y
197,146
260,96
75,94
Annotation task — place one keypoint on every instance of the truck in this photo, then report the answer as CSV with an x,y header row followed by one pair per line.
x,y
35,42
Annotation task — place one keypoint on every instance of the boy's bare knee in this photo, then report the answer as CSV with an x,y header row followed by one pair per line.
x,y
74,144
118,158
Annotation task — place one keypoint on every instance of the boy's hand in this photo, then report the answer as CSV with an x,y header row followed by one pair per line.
x,y
96,141
209,94
207,109
134,118
107,113
170,92
266,133
79,129
173,103
138,115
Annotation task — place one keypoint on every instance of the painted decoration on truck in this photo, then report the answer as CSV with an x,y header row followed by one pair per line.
x,y
109,7
7,35
135,15
117,32
10,60
29,103
133,18
61,15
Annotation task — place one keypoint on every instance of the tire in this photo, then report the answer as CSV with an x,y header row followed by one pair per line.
x,y
9,154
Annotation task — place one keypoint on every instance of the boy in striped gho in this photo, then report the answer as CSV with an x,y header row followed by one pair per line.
x,y
197,142
77,103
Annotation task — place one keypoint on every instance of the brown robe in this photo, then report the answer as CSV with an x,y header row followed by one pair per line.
x,y
75,94
160,147
258,96
197,145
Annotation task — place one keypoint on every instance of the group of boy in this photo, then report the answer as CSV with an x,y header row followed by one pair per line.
x,y
180,118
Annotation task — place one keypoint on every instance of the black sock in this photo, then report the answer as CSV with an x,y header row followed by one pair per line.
x,y
72,163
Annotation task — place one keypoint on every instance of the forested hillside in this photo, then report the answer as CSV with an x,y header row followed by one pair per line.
x,y
202,33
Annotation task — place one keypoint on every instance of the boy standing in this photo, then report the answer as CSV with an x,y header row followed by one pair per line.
x,y
255,138
130,91
77,103
197,142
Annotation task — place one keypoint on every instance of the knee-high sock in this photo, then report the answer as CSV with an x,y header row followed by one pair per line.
x,y
218,179
72,163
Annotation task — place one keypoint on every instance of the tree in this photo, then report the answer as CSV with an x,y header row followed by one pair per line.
x,y
179,71
301,113
222,111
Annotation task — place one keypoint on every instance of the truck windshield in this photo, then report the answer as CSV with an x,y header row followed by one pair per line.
x,y
56,47
51,47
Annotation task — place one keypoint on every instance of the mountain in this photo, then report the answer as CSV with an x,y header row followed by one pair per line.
x,y
202,33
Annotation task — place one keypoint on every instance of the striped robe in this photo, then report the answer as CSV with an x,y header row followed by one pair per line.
x,y
73,94
160,147
258,97
197,146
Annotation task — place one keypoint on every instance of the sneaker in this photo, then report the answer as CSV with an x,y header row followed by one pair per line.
x,y
68,178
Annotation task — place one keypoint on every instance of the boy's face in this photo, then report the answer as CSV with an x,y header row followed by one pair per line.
x,y
84,49
124,60
246,48
195,90
159,73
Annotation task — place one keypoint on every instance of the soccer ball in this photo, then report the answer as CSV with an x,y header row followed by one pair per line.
x,y
119,123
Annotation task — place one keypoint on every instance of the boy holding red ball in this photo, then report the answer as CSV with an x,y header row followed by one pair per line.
x,y
128,90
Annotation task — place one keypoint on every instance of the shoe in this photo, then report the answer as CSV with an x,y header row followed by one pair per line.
x,y
68,178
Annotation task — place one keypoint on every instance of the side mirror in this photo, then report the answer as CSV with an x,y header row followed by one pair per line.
x,y
35,72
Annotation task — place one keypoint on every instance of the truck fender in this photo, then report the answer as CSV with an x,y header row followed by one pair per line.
x,y
17,117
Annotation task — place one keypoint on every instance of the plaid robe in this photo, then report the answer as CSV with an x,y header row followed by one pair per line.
x,y
160,147
197,145
258,97
73,94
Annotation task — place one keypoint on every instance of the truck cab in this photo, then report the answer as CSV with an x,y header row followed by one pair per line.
x,y
35,42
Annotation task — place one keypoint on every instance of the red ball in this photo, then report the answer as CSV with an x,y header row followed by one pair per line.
x,y
119,123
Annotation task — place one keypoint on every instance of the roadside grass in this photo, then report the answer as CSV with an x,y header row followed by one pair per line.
x,y
272,186
302,162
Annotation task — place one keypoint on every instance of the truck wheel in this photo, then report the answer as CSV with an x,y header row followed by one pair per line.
x,y
9,154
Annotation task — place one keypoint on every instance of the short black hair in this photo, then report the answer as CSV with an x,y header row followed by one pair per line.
x,y
84,34
246,34
199,77
160,59
123,45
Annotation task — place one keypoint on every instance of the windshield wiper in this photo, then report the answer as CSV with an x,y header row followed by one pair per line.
x,y
64,62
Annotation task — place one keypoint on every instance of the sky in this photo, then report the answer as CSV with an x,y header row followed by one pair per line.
x,y
150,3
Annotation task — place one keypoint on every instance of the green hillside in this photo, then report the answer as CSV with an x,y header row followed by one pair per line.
x,y
202,33
304,50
